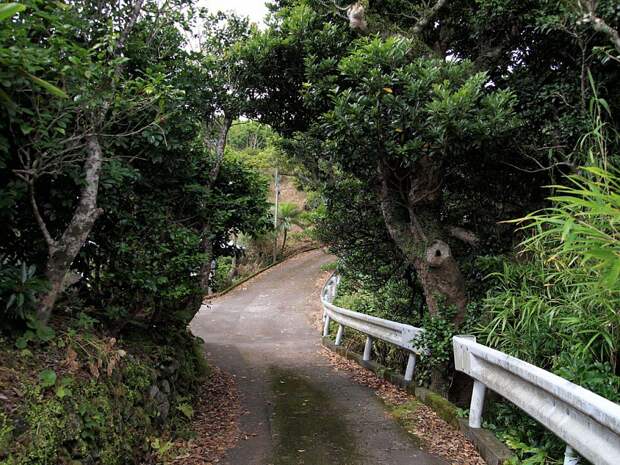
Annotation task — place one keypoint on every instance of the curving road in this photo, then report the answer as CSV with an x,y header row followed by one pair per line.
x,y
297,409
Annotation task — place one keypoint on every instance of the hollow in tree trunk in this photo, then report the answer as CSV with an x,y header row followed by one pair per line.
x,y
417,231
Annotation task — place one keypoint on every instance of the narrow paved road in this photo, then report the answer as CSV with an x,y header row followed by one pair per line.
x,y
298,409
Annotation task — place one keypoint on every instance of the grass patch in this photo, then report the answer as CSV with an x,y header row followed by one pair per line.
x,y
331,266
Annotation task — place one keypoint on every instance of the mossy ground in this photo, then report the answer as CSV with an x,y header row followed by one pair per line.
x,y
98,409
405,414
446,410
309,429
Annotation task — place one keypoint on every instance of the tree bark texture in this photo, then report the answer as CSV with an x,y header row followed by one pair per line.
x,y
410,206
412,219
63,251
206,245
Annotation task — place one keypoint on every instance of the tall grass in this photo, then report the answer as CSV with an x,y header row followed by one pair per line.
x,y
558,305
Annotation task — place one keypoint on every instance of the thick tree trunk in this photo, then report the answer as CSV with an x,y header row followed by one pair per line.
x,y
63,251
441,279
417,232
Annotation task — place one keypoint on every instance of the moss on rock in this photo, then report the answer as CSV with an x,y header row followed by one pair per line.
x,y
94,413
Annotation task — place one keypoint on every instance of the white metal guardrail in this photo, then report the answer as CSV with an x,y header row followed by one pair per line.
x,y
399,334
587,422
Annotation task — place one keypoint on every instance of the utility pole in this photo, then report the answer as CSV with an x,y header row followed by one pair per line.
x,y
275,217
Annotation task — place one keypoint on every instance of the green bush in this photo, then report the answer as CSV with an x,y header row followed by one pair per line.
x,y
557,308
222,279
19,286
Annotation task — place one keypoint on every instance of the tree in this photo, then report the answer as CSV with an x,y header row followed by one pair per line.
x,y
412,123
417,112
153,108
289,215
69,132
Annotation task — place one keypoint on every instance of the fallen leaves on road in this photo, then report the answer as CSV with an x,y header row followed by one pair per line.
x,y
215,422
436,435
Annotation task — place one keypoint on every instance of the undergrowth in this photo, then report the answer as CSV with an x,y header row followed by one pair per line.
x,y
78,397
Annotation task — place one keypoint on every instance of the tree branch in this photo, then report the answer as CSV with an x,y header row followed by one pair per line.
x,y
137,7
599,25
426,19
220,149
464,235
51,243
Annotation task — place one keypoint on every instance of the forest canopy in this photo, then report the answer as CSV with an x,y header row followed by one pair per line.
x,y
460,158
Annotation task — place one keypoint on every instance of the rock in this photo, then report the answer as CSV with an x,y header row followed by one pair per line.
x,y
170,366
165,386
153,391
20,425
160,403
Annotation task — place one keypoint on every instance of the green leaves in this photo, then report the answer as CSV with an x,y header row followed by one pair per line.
x,y
10,9
186,409
47,378
64,387
52,89
565,296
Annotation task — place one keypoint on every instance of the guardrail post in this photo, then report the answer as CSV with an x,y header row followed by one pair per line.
x,y
326,326
570,456
410,367
367,349
332,292
477,405
339,335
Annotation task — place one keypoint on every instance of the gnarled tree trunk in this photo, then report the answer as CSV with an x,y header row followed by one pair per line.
x,y
411,214
416,229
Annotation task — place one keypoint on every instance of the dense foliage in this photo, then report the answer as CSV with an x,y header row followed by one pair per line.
x,y
421,133
429,128
115,196
162,179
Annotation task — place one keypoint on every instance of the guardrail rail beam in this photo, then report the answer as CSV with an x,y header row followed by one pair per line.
x,y
585,421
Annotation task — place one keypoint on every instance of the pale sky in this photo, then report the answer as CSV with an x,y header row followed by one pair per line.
x,y
255,9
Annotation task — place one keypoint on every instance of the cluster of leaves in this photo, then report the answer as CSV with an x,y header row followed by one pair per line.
x,y
19,288
143,257
558,307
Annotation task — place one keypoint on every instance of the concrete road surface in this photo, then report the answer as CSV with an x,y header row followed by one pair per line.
x,y
298,409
